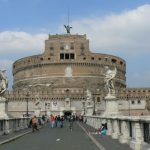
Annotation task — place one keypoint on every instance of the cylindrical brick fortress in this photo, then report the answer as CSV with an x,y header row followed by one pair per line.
x,y
67,62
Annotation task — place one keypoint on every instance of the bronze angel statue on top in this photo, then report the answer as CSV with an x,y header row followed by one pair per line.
x,y
67,28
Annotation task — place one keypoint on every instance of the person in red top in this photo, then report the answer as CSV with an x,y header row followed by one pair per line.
x,y
52,121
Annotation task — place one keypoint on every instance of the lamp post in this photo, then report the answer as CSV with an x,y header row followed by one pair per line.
x,y
128,104
95,99
45,109
67,91
84,108
94,112
83,104
27,100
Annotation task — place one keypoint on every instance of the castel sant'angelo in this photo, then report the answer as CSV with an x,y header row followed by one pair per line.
x,y
58,80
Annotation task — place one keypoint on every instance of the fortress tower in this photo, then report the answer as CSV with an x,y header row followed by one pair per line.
x,y
64,71
67,62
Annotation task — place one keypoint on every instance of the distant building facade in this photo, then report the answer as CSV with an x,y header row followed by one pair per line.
x,y
56,81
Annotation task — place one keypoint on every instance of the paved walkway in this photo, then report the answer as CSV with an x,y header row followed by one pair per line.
x,y
103,141
53,139
80,138
10,137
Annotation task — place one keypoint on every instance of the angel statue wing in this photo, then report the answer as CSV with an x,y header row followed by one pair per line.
x,y
3,81
67,28
111,73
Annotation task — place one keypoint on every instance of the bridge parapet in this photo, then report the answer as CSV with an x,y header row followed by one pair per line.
x,y
14,124
133,130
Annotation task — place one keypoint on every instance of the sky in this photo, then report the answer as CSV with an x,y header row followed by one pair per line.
x,y
116,27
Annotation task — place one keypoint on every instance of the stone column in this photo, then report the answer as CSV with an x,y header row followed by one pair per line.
x,y
125,135
136,144
111,108
109,126
89,109
15,126
115,126
7,126
99,123
2,126
25,122
37,112
22,125
88,120
93,120
3,108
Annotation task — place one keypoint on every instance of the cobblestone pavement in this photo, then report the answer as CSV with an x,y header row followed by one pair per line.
x,y
53,139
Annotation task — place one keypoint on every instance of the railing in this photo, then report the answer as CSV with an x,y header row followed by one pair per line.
x,y
146,128
11,125
134,131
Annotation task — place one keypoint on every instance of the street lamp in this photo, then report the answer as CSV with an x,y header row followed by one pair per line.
x,y
67,91
128,104
94,112
83,104
45,109
27,100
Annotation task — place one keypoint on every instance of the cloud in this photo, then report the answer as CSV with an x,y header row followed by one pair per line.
x,y
5,63
21,42
124,34
15,45
127,32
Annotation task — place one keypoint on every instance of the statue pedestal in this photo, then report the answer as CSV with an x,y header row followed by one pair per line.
x,y
3,108
89,110
111,106
37,112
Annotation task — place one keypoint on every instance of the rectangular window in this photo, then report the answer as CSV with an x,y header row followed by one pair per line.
x,y
61,56
66,56
71,56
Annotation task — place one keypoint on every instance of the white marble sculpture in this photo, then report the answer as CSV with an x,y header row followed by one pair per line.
x,y
89,103
88,95
109,76
3,88
3,82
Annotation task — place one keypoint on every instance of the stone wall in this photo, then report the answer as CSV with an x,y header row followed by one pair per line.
x,y
87,69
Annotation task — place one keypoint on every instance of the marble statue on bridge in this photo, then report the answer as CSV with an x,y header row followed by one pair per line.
x,y
3,82
109,76
3,88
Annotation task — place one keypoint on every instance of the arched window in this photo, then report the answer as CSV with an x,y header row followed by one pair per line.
x,y
113,61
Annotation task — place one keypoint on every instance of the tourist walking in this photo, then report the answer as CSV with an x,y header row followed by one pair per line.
x,y
52,121
58,121
71,123
34,121
61,121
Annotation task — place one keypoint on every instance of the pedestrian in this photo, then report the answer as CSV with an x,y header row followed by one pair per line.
x,y
71,123
61,121
52,121
58,121
103,129
34,124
